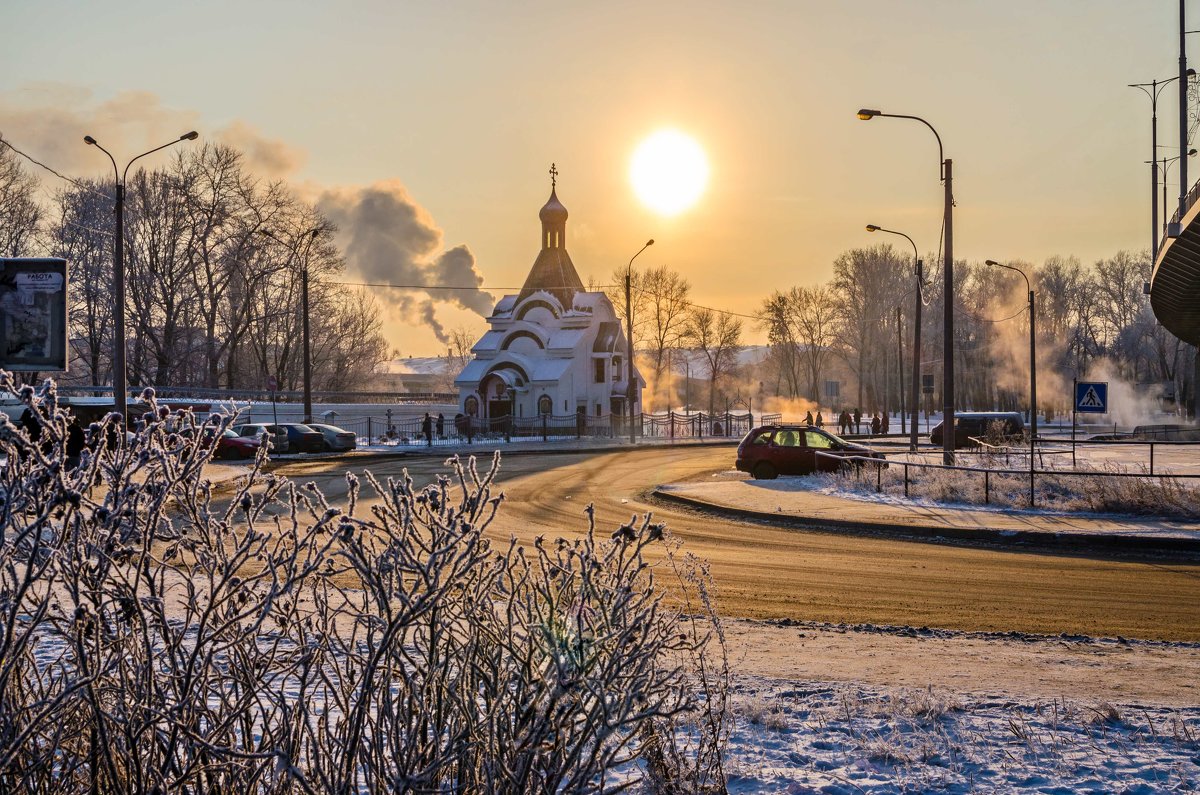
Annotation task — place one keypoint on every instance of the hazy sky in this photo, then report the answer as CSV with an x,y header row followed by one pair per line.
x,y
467,104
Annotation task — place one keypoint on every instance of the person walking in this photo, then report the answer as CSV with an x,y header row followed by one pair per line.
x,y
857,420
808,418
885,423
441,425
427,428
875,424
844,422
820,419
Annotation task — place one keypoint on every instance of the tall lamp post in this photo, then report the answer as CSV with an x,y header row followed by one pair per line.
x,y
1032,373
631,387
947,177
309,237
916,369
120,387
1152,90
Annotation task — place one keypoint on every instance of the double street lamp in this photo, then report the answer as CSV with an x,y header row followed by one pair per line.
x,y
120,387
916,369
1165,164
1152,90
1032,373
947,177
631,385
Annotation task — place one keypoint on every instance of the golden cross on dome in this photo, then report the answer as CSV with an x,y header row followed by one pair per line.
x,y
553,177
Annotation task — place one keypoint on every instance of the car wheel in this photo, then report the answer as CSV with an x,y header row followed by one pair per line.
x,y
764,471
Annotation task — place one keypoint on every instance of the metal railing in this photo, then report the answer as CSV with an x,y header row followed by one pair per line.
x,y
860,463
391,430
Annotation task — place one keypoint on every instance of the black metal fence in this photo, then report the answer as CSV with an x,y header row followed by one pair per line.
x,y
669,426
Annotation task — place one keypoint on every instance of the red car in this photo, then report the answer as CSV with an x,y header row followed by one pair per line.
x,y
230,445
777,450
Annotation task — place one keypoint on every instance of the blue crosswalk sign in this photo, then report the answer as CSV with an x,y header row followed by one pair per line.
x,y
1091,397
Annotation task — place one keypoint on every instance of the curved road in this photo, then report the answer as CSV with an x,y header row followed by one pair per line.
x,y
774,572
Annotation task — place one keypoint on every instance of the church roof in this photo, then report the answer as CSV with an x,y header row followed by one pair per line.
x,y
553,272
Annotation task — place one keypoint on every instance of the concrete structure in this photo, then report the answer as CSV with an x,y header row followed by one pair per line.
x,y
554,348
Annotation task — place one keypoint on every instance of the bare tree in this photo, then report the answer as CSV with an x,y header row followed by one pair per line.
x,y
718,337
80,231
20,213
664,295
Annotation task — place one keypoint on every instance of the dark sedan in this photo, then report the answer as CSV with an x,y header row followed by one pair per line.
x,y
796,450
303,439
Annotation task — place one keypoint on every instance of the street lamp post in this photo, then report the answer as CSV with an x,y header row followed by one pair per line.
x,y
1152,90
120,387
916,369
1032,373
631,386
947,176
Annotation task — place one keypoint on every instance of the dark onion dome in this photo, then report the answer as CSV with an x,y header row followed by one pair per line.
x,y
553,212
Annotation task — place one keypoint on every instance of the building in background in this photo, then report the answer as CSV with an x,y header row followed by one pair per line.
x,y
554,348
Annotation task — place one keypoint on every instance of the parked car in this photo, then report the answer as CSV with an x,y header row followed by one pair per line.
x,y
971,425
773,450
277,435
230,445
336,439
302,438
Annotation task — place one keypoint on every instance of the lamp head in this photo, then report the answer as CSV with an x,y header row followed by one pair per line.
x,y
866,114
89,140
993,262
189,136
872,228
1191,152
650,242
1190,72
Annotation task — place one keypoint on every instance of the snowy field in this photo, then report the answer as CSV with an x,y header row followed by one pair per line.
x,y
848,709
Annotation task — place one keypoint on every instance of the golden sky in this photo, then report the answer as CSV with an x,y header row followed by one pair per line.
x,y
466,104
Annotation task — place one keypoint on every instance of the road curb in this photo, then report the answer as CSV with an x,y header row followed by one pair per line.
x,y
423,453
1024,539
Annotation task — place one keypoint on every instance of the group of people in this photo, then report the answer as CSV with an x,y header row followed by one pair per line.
x,y
852,422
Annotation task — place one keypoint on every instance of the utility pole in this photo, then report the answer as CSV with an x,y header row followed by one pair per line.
x,y
1183,114
900,366
631,386
948,323
630,390
304,309
916,354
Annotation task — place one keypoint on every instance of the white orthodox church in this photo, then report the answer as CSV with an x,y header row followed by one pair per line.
x,y
554,348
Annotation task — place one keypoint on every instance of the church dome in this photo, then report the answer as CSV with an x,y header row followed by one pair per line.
x,y
553,212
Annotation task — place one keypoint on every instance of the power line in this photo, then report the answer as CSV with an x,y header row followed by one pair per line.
x,y
482,288
37,162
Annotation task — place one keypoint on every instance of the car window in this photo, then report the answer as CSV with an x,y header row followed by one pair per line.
x,y
787,439
817,440
763,438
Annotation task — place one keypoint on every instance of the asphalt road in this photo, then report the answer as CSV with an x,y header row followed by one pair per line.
x,y
773,572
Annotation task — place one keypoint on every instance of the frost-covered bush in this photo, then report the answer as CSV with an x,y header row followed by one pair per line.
x,y
160,634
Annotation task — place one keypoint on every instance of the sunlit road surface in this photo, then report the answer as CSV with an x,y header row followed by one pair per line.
x,y
774,572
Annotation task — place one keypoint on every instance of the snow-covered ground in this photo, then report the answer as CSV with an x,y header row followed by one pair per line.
x,y
837,709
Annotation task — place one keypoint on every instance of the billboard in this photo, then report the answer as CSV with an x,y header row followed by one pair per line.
x,y
33,314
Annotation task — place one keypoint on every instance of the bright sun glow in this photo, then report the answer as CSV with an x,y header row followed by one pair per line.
x,y
669,172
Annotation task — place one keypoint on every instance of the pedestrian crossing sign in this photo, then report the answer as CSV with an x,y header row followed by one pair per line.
x,y
1091,397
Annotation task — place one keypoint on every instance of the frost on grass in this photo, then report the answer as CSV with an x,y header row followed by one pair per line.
x,y
158,637
851,738
1135,493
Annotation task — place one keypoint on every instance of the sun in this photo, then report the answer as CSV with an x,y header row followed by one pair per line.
x,y
669,172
